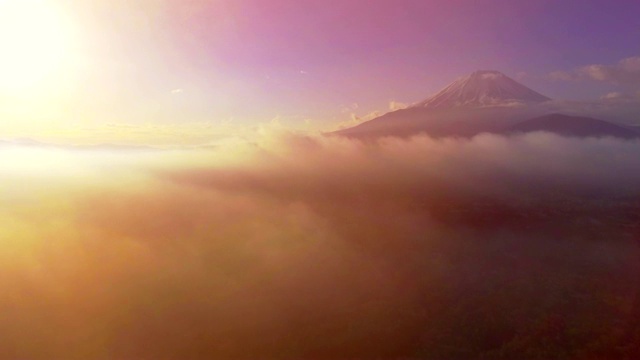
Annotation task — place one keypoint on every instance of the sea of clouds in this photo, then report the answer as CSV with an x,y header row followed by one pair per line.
x,y
311,246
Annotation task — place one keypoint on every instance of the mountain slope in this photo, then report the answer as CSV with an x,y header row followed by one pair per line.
x,y
575,126
484,101
483,88
457,122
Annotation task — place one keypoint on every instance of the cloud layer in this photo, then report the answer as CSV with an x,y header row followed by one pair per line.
x,y
625,72
314,247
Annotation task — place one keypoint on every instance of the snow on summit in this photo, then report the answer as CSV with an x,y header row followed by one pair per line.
x,y
482,89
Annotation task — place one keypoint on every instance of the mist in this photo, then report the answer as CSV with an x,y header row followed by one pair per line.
x,y
302,246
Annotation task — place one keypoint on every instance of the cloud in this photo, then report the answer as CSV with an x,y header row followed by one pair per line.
x,y
296,246
625,72
617,96
177,91
614,95
357,119
395,105
167,135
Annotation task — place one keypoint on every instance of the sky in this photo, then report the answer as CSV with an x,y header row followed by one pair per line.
x,y
307,64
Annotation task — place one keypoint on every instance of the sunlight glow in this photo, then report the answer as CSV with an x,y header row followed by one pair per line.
x,y
35,42
25,161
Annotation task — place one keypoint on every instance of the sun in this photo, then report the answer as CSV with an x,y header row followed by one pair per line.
x,y
35,41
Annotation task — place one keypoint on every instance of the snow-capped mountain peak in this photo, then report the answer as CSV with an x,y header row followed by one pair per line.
x,y
483,89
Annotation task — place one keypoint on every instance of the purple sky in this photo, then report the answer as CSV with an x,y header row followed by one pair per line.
x,y
249,61
314,58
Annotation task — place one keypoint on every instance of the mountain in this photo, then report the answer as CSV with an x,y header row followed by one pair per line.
x,y
456,122
483,88
484,101
487,101
574,126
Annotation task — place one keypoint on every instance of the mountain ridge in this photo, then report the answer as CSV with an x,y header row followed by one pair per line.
x,y
483,88
485,101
